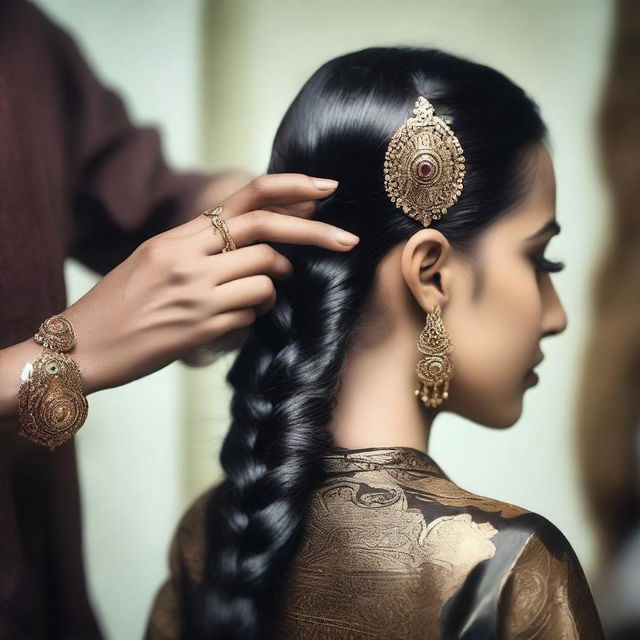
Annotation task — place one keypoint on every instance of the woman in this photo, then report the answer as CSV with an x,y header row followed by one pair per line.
x,y
333,521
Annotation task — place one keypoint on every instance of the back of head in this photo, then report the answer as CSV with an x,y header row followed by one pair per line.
x,y
286,375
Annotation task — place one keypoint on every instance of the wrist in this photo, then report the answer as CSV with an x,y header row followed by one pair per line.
x,y
85,364
82,352
12,361
51,402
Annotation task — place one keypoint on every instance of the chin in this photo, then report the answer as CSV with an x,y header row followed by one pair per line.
x,y
499,414
507,421
500,422
513,415
497,406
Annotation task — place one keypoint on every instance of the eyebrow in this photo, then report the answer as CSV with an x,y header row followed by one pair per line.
x,y
552,227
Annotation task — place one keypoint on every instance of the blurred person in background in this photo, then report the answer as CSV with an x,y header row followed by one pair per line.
x,y
608,421
78,179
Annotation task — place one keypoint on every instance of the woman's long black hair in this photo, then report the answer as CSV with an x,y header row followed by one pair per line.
x,y
286,375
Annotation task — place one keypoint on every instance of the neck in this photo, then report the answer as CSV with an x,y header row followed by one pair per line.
x,y
376,404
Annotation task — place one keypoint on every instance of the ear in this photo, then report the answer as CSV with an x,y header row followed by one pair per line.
x,y
426,264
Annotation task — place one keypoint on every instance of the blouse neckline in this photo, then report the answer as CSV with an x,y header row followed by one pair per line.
x,y
382,457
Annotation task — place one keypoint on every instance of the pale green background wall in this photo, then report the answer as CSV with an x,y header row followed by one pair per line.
x,y
149,447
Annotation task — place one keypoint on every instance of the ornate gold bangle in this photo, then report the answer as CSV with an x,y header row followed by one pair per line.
x,y
51,404
56,333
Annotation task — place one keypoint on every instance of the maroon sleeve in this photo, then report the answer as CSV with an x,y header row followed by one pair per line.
x,y
121,189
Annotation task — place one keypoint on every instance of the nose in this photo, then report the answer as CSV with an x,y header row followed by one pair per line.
x,y
555,318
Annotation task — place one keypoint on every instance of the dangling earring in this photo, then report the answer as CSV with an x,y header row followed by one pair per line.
x,y
435,370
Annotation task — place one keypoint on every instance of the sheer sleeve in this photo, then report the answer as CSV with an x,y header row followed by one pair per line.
x,y
546,594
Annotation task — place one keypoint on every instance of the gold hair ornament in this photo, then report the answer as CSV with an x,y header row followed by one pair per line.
x,y
424,165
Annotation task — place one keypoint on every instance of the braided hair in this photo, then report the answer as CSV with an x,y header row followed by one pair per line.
x,y
287,373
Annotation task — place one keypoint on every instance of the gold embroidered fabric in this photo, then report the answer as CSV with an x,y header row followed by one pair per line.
x,y
394,549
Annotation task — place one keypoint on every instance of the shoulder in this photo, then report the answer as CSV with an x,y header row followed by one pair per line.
x,y
443,490
189,539
544,532
537,543
546,589
546,555
186,560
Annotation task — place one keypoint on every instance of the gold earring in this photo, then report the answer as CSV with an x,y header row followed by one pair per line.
x,y
435,370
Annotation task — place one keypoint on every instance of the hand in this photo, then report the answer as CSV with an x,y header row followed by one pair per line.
x,y
220,187
178,290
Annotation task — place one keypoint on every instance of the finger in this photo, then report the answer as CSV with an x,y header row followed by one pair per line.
x,y
304,209
256,291
266,305
228,329
221,186
249,261
277,189
267,226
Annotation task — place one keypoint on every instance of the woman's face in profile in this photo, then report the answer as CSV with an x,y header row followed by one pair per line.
x,y
496,336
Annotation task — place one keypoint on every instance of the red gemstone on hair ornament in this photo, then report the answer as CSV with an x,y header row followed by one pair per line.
x,y
424,169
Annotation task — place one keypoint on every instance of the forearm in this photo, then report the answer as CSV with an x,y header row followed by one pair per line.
x,y
12,361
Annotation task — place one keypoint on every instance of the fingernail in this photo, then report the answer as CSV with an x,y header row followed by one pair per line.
x,y
324,183
344,237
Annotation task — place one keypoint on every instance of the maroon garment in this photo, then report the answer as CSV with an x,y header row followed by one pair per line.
x,y
76,179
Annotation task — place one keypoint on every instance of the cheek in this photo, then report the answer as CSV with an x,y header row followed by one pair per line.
x,y
495,338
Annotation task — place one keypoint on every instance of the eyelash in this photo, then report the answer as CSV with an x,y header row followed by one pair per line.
x,y
547,266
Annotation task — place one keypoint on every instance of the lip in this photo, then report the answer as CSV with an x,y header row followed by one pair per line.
x,y
532,377
538,362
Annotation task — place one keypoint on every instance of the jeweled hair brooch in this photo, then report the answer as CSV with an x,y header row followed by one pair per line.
x,y
424,165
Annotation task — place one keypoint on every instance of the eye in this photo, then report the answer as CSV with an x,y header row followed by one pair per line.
x,y
547,266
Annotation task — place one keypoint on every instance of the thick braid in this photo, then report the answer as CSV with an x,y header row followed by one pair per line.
x,y
285,379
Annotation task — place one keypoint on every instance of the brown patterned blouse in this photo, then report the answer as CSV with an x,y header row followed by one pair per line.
x,y
394,549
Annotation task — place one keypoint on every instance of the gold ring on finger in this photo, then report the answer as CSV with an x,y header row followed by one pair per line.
x,y
218,223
